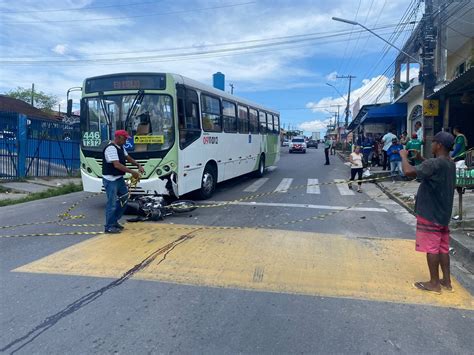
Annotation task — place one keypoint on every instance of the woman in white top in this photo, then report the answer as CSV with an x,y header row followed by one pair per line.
x,y
356,167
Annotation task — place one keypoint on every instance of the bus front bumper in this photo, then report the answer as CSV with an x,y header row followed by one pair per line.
x,y
144,187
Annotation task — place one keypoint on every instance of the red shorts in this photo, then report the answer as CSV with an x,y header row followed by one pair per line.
x,y
431,237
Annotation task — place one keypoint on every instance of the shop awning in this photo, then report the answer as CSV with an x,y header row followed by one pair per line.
x,y
459,85
383,113
360,115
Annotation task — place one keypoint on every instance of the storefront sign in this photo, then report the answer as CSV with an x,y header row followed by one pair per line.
x,y
430,107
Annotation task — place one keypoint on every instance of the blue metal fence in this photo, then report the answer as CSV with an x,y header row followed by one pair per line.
x,y
35,147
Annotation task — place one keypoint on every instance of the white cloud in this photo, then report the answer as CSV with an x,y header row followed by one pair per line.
x,y
372,91
271,68
332,76
60,49
315,126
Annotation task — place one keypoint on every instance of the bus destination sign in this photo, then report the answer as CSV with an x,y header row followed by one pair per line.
x,y
126,82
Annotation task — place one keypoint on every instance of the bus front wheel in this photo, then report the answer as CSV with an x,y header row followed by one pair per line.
x,y
208,182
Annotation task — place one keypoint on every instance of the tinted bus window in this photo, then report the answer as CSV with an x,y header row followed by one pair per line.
x,y
211,114
229,116
270,122
276,124
243,119
263,122
253,121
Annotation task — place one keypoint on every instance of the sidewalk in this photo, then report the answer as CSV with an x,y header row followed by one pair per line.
x,y
462,231
12,190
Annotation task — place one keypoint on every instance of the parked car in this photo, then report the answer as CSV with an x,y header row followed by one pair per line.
x,y
297,144
285,143
312,143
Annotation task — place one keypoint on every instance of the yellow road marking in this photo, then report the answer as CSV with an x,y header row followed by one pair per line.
x,y
264,260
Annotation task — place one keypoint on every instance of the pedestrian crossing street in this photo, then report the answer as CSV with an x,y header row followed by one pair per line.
x,y
312,186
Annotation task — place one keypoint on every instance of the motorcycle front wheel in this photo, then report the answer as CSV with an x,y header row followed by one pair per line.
x,y
182,206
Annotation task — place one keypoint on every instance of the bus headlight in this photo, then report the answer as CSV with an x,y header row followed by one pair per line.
x,y
166,168
159,172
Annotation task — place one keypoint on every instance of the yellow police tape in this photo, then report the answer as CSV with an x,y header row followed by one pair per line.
x,y
321,216
67,214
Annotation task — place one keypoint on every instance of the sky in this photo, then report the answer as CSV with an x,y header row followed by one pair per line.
x,y
278,53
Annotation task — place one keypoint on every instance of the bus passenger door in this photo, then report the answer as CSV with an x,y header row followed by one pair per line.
x,y
189,129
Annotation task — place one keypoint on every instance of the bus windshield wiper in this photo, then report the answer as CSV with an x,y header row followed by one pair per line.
x,y
133,107
106,113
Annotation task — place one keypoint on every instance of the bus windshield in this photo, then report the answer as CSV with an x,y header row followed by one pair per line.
x,y
148,118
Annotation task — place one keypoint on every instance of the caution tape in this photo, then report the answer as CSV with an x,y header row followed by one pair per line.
x,y
61,217
49,234
67,214
263,194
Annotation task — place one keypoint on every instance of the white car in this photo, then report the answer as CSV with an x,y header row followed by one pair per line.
x,y
297,144
285,143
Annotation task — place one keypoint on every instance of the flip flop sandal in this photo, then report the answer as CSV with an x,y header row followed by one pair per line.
x,y
421,287
451,290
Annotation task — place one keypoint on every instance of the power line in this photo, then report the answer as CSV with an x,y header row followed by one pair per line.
x,y
133,16
79,8
311,36
342,63
124,60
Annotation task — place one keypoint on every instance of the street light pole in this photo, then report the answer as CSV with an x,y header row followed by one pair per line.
x,y
355,23
335,88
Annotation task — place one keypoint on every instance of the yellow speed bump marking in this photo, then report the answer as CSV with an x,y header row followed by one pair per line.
x,y
260,259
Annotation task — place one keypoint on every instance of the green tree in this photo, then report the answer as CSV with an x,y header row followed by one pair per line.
x,y
41,100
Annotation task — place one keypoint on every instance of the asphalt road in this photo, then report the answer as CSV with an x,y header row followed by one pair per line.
x,y
298,272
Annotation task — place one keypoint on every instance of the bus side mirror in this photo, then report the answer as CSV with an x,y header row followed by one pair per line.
x,y
69,107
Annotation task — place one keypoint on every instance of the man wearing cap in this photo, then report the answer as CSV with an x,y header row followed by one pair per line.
x,y
114,160
434,205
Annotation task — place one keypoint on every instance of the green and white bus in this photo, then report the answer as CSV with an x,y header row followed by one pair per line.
x,y
188,136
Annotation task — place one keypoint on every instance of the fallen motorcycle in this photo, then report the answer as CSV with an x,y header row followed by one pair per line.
x,y
155,208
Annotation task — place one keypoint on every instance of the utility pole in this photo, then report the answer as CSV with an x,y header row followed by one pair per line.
x,y
33,94
350,77
429,77
338,106
231,88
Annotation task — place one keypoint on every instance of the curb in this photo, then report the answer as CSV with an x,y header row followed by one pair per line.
x,y
395,198
463,253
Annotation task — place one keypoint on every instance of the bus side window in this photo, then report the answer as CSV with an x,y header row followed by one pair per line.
x,y
276,124
229,116
263,122
270,123
243,119
211,113
253,119
188,116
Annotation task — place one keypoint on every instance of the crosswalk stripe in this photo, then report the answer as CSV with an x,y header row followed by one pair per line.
x,y
256,185
284,185
343,189
313,187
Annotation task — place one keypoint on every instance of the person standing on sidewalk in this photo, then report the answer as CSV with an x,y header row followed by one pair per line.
x,y
357,167
387,142
395,160
327,147
114,160
434,205
460,144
